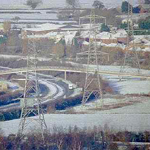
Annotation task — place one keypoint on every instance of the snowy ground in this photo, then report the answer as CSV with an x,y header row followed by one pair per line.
x,y
128,104
132,118
133,87
118,113
130,122
127,85
17,57
122,105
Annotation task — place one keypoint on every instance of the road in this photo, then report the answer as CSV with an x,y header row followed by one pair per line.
x,y
82,69
56,89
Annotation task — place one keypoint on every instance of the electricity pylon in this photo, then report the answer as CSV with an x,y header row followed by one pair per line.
x,y
131,57
31,101
93,81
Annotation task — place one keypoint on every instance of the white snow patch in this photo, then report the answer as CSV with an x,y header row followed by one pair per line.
x,y
134,87
130,122
69,36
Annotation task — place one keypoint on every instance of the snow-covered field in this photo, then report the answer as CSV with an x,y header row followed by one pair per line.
x,y
132,118
120,105
133,87
127,85
130,122
40,16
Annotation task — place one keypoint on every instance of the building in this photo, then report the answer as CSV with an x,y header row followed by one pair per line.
x,y
48,27
44,28
106,38
120,36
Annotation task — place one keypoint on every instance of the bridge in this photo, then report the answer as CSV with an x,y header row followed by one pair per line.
x,y
77,69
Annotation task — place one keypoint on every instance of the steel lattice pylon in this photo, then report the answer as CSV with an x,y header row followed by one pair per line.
x,y
130,58
31,102
92,81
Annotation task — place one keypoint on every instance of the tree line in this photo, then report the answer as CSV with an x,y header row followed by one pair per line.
x,y
71,3
77,139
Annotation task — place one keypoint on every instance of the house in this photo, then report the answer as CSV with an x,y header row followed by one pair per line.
x,y
106,38
70,27
121,36
43,28
48,27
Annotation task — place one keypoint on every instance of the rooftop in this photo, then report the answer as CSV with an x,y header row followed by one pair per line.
x,y
45,27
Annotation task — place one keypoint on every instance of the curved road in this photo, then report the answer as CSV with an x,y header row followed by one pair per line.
x,y
56,89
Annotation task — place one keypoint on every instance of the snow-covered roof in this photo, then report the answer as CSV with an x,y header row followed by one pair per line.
x,y
57,36
148,44
85,43
50,35
120,33
106,35
69,36
139,40
142,36
70,29
85,34
145,40
147,49
45,27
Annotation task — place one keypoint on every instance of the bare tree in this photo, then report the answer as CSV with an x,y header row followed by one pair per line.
x,y
59,141
33,3
58,50
72,3
7,26
98,4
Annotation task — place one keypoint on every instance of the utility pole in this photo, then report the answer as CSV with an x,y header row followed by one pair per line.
x,y
93,81
31,101
131,57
